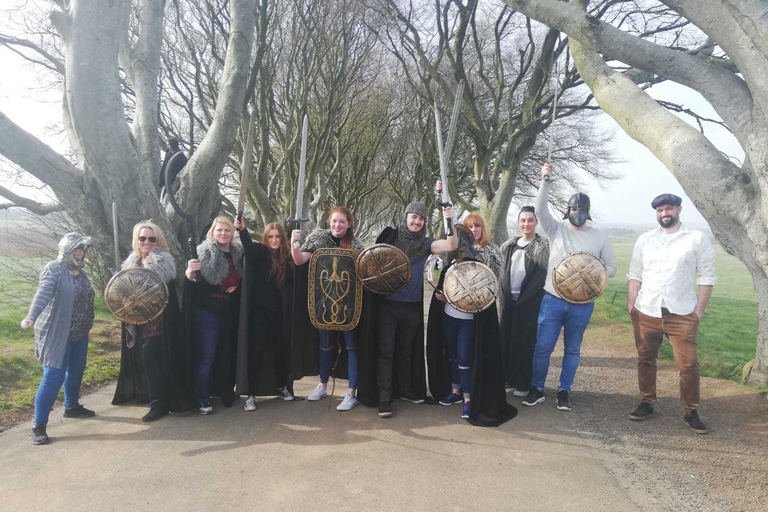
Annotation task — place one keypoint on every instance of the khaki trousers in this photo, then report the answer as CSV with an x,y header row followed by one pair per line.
x,y
681,330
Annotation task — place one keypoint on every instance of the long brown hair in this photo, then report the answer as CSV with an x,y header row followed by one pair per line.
x,y
280,255
346,240
475,219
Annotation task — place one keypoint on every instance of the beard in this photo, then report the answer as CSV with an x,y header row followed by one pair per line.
x,y
668,222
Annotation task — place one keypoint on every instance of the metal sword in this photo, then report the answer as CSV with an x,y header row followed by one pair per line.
x,y
300,184
454,121
555,86
443,175
114,233
245,167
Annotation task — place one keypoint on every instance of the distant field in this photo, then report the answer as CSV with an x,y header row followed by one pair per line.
x,y
729,328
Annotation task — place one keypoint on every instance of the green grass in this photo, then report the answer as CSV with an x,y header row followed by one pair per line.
x,y
20,371
728,330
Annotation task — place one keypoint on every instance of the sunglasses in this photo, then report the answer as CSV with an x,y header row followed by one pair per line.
x,y
151,239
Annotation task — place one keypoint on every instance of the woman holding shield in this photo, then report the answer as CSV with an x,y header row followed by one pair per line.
x,y
487,252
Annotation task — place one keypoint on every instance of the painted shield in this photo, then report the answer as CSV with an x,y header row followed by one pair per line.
x,y
383,268
470,287
580,278
335,297
136,295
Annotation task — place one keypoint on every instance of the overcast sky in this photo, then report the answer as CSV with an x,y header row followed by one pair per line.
x,y
623,201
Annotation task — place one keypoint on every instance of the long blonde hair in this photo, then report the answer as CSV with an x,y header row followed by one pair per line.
x,y
148,224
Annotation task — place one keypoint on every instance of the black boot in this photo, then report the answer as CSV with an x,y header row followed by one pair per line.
x,y
157,410
39,435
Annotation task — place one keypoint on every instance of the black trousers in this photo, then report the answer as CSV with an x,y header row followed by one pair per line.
x,y
152,357
400,331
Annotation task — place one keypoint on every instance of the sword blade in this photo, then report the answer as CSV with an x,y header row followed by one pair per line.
x,y
441,153
115,235
246,164
302,169
454,121
555,87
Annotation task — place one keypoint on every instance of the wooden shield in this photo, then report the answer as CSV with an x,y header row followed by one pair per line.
x,y
383,268
580,278
470,287
335,297
136,295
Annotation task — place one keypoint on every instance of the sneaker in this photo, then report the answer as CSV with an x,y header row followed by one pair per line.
x,y
318,393
520,392
465,411
385,409
643,411
412,399
285,394
348,403
563,404
693,421
78,412
156,411
533,397
204,407
451,399
39,435
250,403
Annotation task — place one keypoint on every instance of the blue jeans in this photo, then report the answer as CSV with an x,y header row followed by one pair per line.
x,y
459,336
555,314
326,357
70,375
208,326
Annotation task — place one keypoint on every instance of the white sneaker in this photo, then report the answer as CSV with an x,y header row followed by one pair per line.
x,y
318,393
285,394
348,403
250,404
519,392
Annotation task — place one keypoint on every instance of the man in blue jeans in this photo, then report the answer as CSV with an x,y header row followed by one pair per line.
x,y
572,234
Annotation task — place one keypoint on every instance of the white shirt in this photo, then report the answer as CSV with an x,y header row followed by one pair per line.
x,y
666,266
517,268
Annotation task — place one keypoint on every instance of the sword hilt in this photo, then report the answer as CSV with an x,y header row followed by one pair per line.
x,y
297,244
240,214
448,223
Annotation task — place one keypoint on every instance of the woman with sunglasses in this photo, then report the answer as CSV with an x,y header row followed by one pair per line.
x,y
211,304
62,312
266,307
152,360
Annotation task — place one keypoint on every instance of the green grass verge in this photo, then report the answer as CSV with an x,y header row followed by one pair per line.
x,y
728,331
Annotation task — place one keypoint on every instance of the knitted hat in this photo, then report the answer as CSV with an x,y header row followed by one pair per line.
x,y
417,207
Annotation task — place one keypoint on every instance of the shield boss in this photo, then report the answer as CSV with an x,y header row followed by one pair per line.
x,y
383,268
580,278
470,287
136,295
335,297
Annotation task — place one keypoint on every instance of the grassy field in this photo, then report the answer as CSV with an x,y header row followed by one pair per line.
x,y
20,371
729,328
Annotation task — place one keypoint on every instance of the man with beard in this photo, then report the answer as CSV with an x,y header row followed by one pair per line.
x,y
400,315
661,300
177,163
565,237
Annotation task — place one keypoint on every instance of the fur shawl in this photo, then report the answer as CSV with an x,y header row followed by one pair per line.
x,y
537,250
490,255
213,264
158,260
321,239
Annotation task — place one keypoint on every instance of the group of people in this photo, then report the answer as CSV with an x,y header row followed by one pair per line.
x,y
243,328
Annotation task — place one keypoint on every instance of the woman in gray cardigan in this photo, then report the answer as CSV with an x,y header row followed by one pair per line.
x,y
62,312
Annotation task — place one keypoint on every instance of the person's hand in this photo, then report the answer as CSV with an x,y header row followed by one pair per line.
x,y
296,235
699,313
231,289
448,212
630,307
193,266
439,296
27,323
546,171
438,186
239,224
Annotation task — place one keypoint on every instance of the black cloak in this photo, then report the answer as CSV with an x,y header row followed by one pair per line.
x,y
488,404
264,332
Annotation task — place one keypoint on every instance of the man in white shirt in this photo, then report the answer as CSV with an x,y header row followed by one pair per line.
x,y
661,300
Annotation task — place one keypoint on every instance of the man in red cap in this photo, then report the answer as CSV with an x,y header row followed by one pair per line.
x,y
661,300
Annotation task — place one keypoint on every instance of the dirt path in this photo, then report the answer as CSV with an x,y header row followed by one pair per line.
x,y
301,455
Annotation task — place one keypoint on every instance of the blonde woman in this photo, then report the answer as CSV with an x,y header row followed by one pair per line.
x,y
213,293
152,360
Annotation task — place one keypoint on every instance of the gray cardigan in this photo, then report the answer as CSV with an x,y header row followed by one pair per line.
x,y
51,310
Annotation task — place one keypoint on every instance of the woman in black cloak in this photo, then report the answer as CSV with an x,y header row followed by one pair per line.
x,y
463,354
154,361
266,304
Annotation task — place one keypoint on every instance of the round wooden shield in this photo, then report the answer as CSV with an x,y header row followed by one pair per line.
x,y
383,268
580,278
470,287
335,297
136,295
